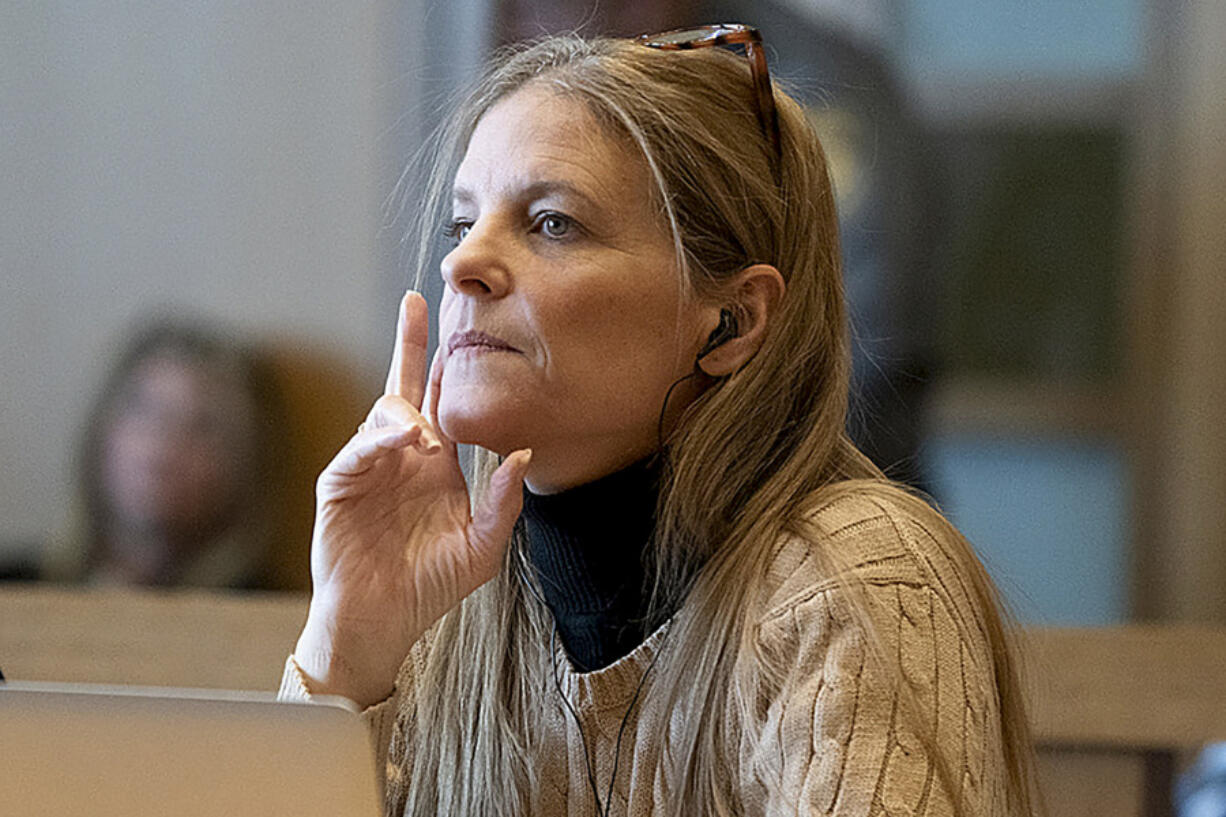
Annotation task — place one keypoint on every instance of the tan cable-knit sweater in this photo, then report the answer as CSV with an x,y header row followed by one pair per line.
x,y
833,741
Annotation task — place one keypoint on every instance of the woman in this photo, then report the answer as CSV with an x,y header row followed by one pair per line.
x,y
711,603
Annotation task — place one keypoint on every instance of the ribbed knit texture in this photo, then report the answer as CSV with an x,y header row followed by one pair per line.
x,y
834,738
587,546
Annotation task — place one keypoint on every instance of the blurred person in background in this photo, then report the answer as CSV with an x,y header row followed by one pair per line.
x,y
175,467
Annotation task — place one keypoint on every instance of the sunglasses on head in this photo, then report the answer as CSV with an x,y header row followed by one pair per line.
x,y
729,34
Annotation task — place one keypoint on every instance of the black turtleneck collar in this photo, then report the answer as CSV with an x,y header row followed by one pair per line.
x,y
587,545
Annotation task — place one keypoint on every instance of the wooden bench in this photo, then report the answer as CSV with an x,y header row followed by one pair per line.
x,y
1112,708
162,638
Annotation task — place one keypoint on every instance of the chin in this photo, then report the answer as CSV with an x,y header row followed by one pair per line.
x,y
489,430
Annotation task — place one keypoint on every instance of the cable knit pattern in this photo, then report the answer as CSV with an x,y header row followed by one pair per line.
x,y
902,722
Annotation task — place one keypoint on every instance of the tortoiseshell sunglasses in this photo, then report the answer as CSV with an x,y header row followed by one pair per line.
x,y
684,39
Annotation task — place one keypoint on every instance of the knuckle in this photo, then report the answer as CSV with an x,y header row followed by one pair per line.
x,y
393,408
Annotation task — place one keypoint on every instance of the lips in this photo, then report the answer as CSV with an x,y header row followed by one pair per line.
x,y
477,341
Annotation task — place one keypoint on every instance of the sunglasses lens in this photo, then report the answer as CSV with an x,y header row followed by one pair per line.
x,y
680,36
691,36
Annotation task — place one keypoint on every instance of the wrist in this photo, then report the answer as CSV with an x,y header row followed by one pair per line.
x,y
329,668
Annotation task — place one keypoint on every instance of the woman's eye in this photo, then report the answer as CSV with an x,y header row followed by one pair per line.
x,y
554,225
457,229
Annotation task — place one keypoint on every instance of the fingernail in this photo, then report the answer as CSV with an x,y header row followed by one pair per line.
x,y
429,441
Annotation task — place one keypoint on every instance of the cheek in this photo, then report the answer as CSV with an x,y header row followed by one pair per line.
x,y
625,339
601,308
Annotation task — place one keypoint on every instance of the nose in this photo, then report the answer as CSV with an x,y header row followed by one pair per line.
x,y
477,267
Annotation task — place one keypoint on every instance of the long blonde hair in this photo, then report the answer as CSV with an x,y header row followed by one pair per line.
x,y
749,458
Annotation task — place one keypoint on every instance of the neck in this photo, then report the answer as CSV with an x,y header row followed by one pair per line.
x,y
555,470
589,546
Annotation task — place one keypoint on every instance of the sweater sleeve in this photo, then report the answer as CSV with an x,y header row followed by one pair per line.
x,y
388,721
380,718
889,710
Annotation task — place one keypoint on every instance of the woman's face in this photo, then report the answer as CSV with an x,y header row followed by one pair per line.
x,y
562,323
175,447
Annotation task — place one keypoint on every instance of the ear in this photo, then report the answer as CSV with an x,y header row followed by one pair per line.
x,y
754,295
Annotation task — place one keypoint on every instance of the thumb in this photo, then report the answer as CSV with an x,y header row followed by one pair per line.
x,y
495,515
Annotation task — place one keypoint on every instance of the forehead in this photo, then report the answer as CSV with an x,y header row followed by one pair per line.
x,y
537,135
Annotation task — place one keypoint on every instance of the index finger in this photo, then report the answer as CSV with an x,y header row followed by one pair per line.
x,y
407,373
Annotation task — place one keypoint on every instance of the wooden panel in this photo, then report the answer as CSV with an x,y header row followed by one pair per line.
x,y
1177,309
179,638
1193,481
1133,687
1092,784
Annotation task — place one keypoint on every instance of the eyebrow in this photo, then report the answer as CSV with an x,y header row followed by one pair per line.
x,y
534,191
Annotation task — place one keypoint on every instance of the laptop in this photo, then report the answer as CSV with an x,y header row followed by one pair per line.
x,y
142,751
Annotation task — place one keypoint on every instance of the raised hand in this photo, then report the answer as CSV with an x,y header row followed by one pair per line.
x,y
394,545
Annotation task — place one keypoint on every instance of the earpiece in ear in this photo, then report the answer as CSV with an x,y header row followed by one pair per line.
x,y
726,331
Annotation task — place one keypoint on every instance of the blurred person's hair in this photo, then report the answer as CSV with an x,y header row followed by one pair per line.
x,y
748,462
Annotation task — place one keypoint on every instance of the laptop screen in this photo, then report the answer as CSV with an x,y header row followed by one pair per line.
x,y
69,749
